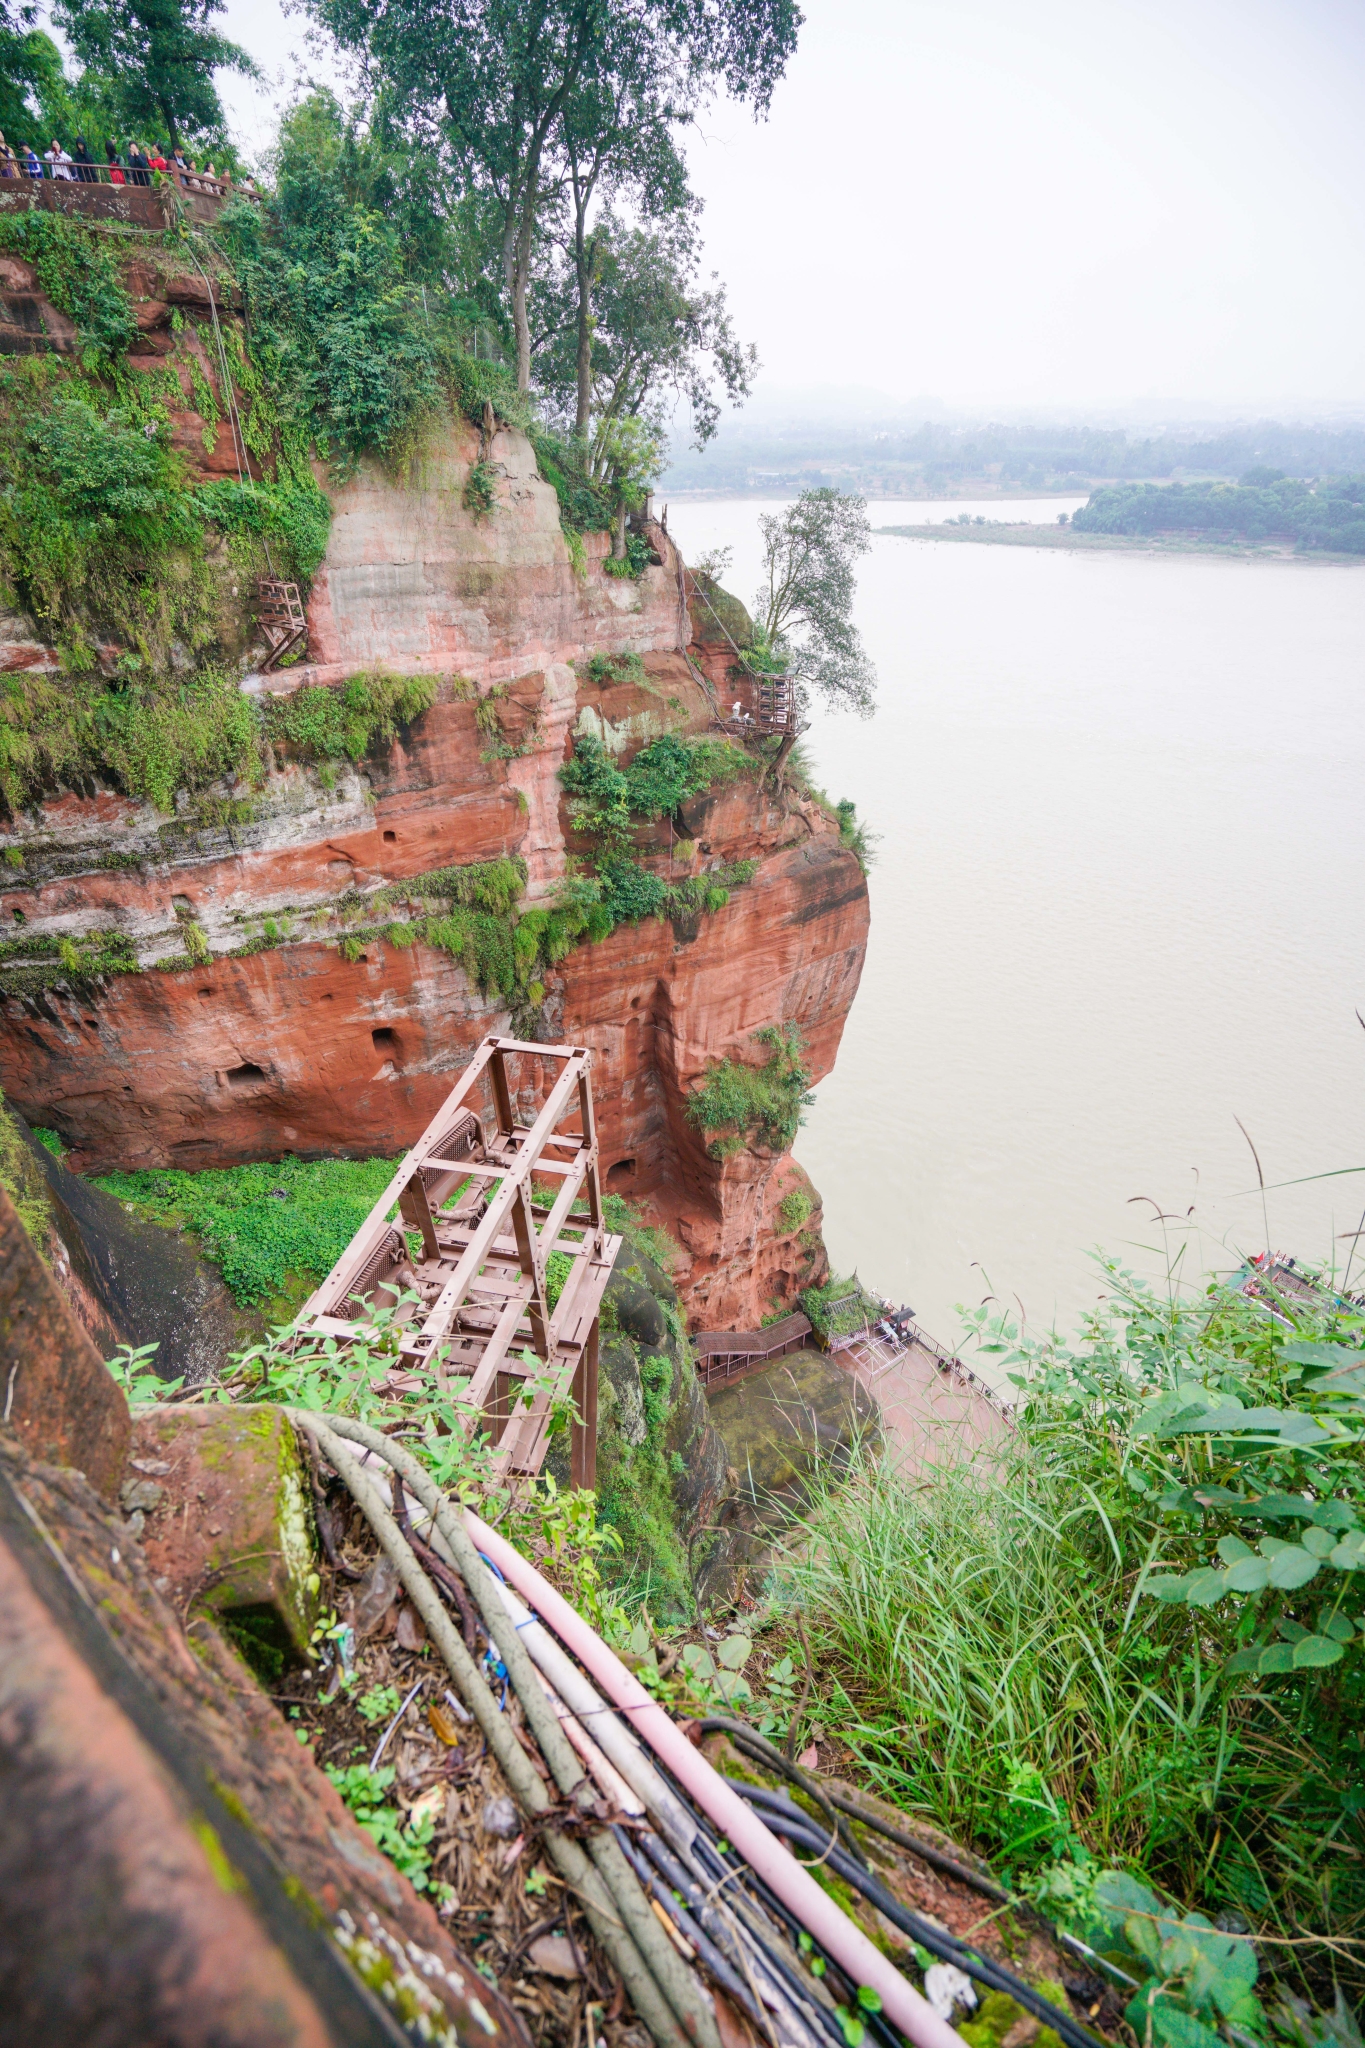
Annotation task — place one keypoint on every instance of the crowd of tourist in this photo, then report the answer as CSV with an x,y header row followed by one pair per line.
x,y
133,168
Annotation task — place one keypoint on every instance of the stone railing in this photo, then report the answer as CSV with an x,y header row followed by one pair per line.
x,y
144,198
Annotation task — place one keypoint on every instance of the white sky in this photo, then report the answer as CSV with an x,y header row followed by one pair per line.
x,y
1078,203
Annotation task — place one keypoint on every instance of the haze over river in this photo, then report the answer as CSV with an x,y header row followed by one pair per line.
x,y
1117,904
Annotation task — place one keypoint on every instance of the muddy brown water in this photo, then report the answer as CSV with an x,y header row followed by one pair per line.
x,y
1117,906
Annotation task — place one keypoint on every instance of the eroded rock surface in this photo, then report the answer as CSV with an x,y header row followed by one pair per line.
x,y
275,1040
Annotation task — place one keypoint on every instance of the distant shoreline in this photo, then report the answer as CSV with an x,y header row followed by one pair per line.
x,y
791,489
1025,536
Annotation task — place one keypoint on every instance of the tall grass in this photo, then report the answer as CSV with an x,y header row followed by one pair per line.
x,y
998,1663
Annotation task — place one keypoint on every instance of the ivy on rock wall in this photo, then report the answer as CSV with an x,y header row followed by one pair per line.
x,y
153,738
606,802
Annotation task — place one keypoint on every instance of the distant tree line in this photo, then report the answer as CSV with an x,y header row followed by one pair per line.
x,y
934,455
1264,506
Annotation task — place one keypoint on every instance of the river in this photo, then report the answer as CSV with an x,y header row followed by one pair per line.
x,y
1116,906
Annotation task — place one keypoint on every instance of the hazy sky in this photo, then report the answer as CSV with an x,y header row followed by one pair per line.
x,y
1065,203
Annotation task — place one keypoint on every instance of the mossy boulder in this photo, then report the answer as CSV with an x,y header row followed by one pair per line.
x,y
227,1518
802,1415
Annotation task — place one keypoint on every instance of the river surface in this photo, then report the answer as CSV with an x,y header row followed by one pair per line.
x,y
1117,905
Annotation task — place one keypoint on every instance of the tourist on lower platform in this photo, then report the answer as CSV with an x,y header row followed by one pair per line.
x,y
157,161
28,161
115,164
59,160
86,169
9,162
138,165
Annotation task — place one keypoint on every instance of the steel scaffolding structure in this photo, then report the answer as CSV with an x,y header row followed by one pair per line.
x,y
491,1199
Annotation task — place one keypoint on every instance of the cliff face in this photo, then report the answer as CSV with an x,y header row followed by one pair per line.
x,y
276,1041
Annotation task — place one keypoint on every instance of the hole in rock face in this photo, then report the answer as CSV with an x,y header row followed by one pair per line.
x,y
248,1075
18,915
182,907
389,838
204,994
621,1172
386,1041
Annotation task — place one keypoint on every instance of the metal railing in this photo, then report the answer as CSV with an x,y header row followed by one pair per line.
x,y
724,1354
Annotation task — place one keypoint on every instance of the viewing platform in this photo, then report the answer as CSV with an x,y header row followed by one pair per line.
x,y
166,197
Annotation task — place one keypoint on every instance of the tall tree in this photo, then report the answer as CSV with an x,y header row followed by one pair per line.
x,y
661,335
803,611
496,77
155,59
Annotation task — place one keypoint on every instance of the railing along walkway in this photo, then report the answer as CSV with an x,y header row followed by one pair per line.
x,y
728,1354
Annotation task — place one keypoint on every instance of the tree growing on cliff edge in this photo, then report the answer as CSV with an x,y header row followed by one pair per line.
x,y
495,79
803,611
154,60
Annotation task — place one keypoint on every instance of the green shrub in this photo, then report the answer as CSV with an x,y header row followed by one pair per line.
x,y
584,507
480,490
794,1209
1140,1645
350,719
77,271
150,739
737,1102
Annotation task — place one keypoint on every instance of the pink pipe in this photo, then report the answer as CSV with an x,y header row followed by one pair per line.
x,y
839,1936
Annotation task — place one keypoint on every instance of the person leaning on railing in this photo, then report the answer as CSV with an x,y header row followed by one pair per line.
x,y
59,160
9,162
115,164
28,161
139,167
87,170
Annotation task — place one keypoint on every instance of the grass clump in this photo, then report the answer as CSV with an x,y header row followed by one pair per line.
x,y
737,1104
350,720
262,1225
1138,1643
149,738
606,802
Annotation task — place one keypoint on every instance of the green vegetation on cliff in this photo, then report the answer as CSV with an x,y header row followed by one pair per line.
x,y
263,1226
607,803
738,1104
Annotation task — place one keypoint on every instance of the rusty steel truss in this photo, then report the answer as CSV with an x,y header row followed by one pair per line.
x,y
491,1200
283,621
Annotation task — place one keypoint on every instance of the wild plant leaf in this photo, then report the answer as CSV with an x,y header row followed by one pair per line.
x,y
1318,1542
1204,1588
1170,2025
1293,1631
1275,1659
1293,1567
1231,1548
1339,1627
1320,1357
1267,1425
1170,1586
1316,1651
734,1652
1242,1660
1249,1575
1335,1514
1349,1554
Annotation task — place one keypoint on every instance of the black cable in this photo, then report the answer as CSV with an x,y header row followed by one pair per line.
x,y
761,1751
673,1874
778,1963
928,1852
719,1967
798,1827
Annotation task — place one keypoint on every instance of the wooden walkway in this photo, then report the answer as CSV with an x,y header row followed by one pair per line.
x,y
725,1355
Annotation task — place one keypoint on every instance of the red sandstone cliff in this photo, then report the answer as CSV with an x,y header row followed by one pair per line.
x,y
297,1048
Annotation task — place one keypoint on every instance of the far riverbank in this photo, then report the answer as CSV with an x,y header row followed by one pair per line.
x,y
998,534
